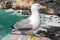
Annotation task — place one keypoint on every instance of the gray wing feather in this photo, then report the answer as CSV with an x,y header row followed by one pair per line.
x,y
26,21
23,24
20,25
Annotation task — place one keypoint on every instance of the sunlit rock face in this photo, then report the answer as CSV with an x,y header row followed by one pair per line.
x,y
22,4
14,5
1,7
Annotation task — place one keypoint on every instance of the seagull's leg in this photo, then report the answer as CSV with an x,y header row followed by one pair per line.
x,y
41,35
37,35
30,36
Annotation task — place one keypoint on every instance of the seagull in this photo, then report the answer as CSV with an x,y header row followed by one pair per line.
x,y
31,23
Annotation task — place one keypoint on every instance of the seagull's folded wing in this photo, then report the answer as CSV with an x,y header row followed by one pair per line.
x,y
23,25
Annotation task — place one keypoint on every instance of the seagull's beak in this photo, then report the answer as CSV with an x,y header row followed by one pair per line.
x,y
43,7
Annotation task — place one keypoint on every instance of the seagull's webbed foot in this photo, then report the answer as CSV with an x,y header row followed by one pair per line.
x,y
31,37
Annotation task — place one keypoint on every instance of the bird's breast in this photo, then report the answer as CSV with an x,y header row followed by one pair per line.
x,y
35,23
35,20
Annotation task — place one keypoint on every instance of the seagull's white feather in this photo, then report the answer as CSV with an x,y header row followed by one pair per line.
x,y
35,17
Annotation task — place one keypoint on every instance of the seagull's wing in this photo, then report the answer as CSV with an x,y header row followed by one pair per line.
x,y
23,25
26,21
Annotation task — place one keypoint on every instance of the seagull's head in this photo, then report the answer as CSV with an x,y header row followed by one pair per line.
x,y
37,6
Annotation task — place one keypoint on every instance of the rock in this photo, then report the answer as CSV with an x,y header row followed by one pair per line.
x,y
1,7
17,36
